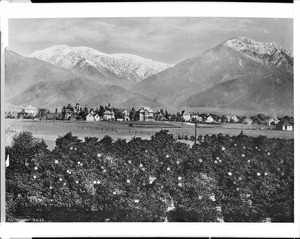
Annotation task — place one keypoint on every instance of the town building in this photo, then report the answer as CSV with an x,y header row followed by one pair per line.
x,y
125,114
97,117
272,121
286,126
72,118
108,115
186,116
68,113
247,121
31,110
209,119
232,118
195,117
23,114
146,114
90,117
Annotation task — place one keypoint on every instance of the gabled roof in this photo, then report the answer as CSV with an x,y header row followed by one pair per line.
x,y
69,111
286,123
144,109
30,107
107,112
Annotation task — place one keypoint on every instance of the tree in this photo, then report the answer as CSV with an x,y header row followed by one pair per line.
x,y
70,107
167,115
132,114
238,179
101,111
118,113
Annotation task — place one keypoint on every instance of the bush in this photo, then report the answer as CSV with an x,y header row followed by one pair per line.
x,y
237,179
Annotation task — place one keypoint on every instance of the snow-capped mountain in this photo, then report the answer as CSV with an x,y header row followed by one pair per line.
x,y
42,84
94,64
269,52
236,74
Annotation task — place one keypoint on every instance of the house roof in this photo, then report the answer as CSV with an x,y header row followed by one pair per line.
x,y
69,111
286,123
247,120
107,112
30,107
143,109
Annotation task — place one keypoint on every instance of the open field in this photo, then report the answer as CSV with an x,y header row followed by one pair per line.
x,y
50,130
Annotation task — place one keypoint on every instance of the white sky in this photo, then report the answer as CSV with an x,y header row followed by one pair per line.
x,y
167,39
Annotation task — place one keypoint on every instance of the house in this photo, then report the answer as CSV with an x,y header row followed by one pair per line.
x,y
11,114
196,118
89,117
31,110
232,118
72,118
186,116
125,114
97,117
68,113
146,114
108,115
22,114
286,126
272,121
209,119
247,121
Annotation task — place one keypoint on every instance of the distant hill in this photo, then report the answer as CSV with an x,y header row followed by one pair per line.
x,y
41,84
21,72
114,69
237,74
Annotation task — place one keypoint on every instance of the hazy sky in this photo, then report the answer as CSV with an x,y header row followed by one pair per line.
x,y
163,39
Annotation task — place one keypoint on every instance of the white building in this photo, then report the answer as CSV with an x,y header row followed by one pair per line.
x,y
209,119
108,115
90,117
186,117
97,117
31,110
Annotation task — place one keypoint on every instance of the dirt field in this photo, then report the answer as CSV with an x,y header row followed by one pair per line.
x,y
50,130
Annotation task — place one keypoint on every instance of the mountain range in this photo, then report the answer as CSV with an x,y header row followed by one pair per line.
x,y
113,69
41,84
238,74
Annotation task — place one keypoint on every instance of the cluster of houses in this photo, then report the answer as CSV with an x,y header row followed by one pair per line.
x,y
109,113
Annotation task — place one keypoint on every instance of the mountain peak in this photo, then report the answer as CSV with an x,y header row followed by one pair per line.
x,y
82,60
264,52
245,44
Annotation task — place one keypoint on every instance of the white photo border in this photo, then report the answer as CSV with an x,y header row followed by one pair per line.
x,y
154,9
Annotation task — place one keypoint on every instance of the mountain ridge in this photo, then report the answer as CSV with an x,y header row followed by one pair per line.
x,y
217,65
119,66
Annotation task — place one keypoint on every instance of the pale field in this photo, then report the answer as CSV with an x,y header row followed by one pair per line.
x,y
51,130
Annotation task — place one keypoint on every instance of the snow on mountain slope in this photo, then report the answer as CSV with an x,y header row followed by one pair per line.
x,y
269,52
77,59
238,74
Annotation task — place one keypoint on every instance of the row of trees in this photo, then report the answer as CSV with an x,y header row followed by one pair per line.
x,y
235,179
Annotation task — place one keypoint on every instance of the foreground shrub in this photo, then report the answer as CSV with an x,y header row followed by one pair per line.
x,y
235,179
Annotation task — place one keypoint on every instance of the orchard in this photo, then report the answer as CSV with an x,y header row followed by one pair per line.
x,y
221,178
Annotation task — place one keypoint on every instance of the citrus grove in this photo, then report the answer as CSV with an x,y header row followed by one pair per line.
x,y
219,179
